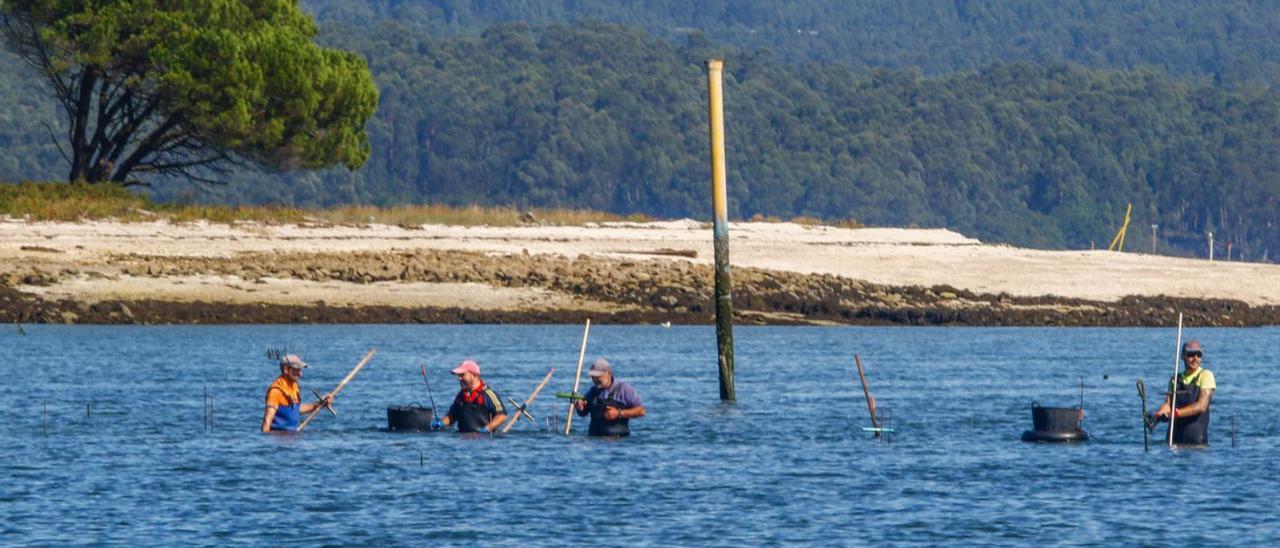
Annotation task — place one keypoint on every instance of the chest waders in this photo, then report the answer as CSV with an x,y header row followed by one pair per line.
x,y
1190,430
601,427
474,416
287,416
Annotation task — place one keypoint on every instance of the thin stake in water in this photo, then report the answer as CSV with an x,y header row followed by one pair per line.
x,y
1233,431
886,426
435,414
1142,394
45,416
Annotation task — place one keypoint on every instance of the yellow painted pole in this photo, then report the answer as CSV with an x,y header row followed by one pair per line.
x,y
1117,243
720,229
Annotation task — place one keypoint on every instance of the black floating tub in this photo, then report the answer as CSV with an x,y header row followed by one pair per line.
x,y
409,418
1055,425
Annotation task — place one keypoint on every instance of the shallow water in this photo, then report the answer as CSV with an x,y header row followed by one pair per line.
x,y
787,463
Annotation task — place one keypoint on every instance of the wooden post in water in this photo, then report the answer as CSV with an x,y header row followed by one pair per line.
x,y
1173,389
45,417
720,229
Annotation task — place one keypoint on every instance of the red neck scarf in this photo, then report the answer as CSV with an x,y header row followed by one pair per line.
x,y
475,396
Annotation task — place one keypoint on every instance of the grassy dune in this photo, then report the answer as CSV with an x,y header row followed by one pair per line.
x,y
71,202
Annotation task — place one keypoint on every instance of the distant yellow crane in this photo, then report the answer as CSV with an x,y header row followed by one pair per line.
x,y
1117,243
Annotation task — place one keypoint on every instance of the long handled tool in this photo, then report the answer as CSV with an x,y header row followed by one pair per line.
x,y
1173,389
524,409
871,402
429,394
568,421
1142,393
337,389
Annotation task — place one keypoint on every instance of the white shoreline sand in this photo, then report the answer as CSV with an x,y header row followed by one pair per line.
x,y
890,256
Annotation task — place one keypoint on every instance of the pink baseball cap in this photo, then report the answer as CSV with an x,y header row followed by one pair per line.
x,y
467,366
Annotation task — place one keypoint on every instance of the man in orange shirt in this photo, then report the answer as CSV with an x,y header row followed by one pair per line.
x,y
284,406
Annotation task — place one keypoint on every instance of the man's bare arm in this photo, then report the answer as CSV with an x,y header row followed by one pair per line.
x,y
1200,406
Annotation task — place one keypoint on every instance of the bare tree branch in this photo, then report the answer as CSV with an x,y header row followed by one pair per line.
x,y
56,141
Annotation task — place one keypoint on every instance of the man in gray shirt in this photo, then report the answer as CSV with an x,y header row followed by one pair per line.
x,y
611,403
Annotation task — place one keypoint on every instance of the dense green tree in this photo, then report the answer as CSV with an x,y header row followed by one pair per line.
x,y
185,88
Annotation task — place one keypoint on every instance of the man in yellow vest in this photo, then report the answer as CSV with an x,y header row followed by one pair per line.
x,y
1194,389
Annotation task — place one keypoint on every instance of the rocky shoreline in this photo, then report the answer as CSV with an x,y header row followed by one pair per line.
x,y
612,290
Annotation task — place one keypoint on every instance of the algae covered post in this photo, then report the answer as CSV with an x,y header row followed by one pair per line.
x,y
720,227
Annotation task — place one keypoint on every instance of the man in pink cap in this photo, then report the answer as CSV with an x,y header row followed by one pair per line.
x,y
476,408
1194,388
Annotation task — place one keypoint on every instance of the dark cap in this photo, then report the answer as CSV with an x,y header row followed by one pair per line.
x,y
1191,346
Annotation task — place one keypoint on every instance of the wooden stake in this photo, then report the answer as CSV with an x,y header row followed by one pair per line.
x,y
866,393
515,417
45,417
568,421
337,389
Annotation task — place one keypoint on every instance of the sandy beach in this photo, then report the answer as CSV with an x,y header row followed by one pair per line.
x,y
788,273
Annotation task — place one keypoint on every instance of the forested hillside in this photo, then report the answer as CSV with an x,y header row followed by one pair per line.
x,y
1232,41
614,118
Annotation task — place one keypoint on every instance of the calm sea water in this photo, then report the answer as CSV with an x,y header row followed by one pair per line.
x,y
785,464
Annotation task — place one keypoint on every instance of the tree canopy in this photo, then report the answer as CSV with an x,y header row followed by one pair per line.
x,y
190,87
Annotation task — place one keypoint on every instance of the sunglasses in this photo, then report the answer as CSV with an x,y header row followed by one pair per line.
x,y
1194,354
